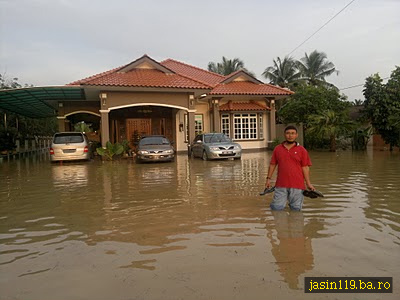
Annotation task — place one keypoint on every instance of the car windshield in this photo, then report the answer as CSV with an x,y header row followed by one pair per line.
x,y
216,138
68,138
154,141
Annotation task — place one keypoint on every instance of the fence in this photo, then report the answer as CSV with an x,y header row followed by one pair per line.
x,y
27,147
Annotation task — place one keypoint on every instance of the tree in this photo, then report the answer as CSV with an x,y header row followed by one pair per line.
x,y
330,124
227,66
283,73
358,102
309,100
382,106
6,83
315,67
360,138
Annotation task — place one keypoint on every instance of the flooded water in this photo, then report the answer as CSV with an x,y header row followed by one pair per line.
x,y
194,229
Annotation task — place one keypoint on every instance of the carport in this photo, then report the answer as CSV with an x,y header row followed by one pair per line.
x,y
38,102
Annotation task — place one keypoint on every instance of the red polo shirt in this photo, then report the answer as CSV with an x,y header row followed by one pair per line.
x,y
290,163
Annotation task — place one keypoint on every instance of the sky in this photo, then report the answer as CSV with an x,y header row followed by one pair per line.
x,y
55,42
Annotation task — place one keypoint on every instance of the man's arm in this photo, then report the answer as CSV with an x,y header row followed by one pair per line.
x,y
271,170
306,173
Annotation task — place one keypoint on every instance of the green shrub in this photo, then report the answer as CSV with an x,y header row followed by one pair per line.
x,y
110,151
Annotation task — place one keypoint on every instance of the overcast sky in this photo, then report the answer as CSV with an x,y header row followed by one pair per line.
x,y
54,42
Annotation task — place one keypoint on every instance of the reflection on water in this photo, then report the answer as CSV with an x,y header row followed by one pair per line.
x,y
292,249
192,229
70,175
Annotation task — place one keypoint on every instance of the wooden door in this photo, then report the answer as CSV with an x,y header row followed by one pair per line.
x,y
137,127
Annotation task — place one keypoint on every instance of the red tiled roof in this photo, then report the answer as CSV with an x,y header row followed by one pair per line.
x,y
193,72
87,79
248,88
141,78
242,106
174,74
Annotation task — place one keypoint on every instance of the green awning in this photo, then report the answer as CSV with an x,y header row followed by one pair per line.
x,y
36,102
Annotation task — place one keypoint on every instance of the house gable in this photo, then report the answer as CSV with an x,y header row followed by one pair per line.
x,y
241,75
147,63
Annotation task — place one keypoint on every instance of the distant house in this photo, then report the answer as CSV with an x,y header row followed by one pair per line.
x,y
177,100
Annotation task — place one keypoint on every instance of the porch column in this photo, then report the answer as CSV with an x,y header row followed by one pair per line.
x,y
61,124
215,110
105,128
272,121
191,131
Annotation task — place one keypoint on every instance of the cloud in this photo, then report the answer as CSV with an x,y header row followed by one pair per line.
x,y
58,41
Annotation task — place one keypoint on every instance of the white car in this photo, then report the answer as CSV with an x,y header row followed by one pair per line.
x,y
69,146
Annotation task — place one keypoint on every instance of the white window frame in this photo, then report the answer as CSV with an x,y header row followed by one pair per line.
x,y
245,126
198,124
226,124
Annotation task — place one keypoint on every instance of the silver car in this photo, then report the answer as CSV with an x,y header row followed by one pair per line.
x,y
69,146
154,148
214,146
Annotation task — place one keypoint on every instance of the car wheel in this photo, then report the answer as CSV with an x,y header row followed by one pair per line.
x,y
238,158
205,157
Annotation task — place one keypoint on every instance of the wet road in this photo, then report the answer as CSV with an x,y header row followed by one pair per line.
x,y
193,229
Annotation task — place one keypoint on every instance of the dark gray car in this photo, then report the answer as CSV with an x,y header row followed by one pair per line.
x,y
214,146
154,148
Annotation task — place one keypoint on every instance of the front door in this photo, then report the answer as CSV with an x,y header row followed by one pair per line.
x,y
136,128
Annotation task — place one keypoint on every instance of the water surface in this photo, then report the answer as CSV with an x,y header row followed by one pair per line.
x,y
193,229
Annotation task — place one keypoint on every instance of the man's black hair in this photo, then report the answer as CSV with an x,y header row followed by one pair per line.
x,y
290,127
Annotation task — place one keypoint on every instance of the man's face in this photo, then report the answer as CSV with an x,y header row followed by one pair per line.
x,y
291,135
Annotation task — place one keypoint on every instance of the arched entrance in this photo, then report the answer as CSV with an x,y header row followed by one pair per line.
x,y
131,123
86,121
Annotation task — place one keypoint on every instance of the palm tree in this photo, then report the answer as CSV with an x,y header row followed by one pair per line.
x,y
329,124
358,102
227,66
315,67
283,73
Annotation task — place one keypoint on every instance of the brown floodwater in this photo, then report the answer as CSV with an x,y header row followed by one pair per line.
x,y
194,229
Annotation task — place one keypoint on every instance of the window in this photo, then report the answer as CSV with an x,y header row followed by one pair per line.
x,y
68,138
198,124
225,124
245,126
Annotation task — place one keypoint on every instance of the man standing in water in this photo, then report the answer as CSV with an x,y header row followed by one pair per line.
x,y
293,169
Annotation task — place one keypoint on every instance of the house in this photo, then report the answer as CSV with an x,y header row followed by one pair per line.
x,y
169,98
